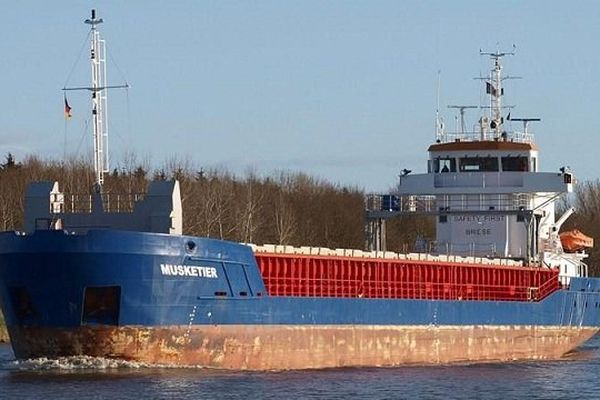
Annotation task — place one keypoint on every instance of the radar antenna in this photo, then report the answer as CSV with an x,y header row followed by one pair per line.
x,y
526,122
462,116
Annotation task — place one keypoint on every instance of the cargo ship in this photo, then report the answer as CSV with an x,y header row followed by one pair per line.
x,y
88,276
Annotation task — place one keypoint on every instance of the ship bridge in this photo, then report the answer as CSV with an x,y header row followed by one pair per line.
x,y
488,197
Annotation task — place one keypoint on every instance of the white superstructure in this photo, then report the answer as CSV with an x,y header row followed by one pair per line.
x,y
486,191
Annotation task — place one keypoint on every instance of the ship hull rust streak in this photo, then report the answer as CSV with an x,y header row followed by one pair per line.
x,y
275,347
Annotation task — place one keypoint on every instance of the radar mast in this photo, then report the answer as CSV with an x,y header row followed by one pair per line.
x,y
99,99
493,87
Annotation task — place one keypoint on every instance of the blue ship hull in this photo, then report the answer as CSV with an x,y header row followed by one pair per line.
x,y
188,300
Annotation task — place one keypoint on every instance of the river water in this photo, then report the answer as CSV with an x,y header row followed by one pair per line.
x,y
92,378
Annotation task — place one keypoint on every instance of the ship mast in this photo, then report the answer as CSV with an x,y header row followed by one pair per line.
x,y
493,86
99,100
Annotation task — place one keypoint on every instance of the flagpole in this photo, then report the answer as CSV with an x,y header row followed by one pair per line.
x,y
67,116
65,143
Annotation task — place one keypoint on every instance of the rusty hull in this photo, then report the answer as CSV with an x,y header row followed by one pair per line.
x,y
269,347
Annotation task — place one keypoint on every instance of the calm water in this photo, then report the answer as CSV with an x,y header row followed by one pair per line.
x,y
577,377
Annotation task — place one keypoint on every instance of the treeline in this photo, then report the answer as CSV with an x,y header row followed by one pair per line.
x,y
283,208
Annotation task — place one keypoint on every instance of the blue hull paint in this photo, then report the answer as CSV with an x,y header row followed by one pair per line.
x,y
55,268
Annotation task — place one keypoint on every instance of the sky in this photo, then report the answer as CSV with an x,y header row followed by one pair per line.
x,y
345,91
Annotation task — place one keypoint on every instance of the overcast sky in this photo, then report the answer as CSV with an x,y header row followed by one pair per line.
x,y
343,90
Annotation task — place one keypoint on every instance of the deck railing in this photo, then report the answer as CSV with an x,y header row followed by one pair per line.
x,y
83,203
515,136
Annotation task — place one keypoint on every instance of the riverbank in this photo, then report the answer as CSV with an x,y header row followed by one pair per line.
x,y
3,332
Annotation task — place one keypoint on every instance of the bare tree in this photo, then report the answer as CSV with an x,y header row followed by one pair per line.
x,y
285,221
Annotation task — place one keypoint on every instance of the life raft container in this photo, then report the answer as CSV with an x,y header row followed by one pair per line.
x,y
575,241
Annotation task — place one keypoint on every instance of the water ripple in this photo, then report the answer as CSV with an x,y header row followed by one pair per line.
x,y
94,377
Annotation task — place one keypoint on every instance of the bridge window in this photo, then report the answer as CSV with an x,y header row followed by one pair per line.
x,y
444,165
478,164
518,163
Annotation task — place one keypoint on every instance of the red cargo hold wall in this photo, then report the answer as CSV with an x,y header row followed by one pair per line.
x,y
321,276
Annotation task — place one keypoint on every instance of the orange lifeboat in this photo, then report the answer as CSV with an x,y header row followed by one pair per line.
x,y
575,241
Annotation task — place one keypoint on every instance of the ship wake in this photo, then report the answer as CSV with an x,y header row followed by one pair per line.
x,y
75,363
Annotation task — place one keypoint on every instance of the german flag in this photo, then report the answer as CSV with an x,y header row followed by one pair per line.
x,y
491,89
67,109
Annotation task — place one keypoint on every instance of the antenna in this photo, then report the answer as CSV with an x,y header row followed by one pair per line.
x,y
439,129
526,122
99,100
462,116
498,54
